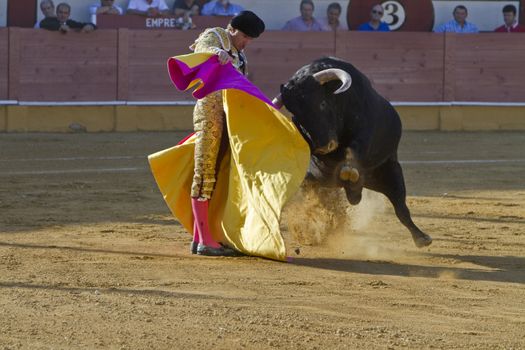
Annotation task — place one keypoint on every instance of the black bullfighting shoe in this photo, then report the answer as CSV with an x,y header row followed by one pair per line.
x,y
193,247
221,251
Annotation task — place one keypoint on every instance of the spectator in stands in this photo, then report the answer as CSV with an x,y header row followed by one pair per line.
x,y
48,10
332,22
149,8
221,8
459,24
186,8
375,24
511,23
62,22
106,7
306,22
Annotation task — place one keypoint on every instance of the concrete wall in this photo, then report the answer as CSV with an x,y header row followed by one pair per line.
x,y
171,118
94,118
462,118
3,118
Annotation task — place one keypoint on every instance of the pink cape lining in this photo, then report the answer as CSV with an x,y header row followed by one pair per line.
x,y
214,77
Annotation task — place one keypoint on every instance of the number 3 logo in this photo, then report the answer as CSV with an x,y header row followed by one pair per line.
x,y
394,14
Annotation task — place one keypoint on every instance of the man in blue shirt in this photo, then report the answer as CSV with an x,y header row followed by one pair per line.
x,y
375,24
459,24
306,22
221,8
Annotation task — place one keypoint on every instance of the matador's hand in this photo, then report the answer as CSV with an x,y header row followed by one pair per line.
x,y
224,57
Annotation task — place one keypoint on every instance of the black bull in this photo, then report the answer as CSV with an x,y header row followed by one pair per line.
x,y
353,133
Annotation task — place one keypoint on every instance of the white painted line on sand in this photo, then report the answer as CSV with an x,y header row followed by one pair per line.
x,y
71,159
463,161
73,171
141,169
445,161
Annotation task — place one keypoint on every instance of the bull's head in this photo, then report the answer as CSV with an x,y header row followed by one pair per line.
x,y
312,102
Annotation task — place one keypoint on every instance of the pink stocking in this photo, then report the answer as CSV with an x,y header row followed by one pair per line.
x,y
196,237
200,214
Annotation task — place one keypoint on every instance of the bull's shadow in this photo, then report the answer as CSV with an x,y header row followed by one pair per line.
x,y
505,268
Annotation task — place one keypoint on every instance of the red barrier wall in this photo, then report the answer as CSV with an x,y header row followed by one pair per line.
x,y
147,52
275,56
401,66
486,67
50,66
4,60
130,65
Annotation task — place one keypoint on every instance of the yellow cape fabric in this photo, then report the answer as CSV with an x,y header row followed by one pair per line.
x,y
265,165
193,59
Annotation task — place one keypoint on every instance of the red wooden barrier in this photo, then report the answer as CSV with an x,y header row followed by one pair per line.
x,y
147,75
401,66
486,67
275,56
130,65
64,67
4,59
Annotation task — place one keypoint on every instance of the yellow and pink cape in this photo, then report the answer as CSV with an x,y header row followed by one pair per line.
x,y
265,165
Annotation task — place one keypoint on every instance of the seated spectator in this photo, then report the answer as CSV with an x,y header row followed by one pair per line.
x,y
221,8
375,24
150,8
306,22
332,22
186,8
459,24
106,7
62,22
511,23
48,10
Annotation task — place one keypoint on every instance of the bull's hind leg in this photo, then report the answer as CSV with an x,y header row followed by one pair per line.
x,y
388,179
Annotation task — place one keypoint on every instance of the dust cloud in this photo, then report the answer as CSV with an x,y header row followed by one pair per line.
x,y
323,217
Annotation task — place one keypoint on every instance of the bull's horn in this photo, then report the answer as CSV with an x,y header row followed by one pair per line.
x,y
278,101
330,74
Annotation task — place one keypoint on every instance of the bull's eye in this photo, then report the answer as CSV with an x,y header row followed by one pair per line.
x,y
323,105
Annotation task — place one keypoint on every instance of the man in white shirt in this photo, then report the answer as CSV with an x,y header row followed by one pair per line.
x,y
106,7
150,8
332,22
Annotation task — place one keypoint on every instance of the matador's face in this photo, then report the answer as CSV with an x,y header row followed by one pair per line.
x,y
239,39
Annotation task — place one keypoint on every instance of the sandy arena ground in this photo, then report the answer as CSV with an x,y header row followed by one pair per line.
x,y
91,258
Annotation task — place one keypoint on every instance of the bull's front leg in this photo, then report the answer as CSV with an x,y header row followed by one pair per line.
x,y
351,176
349,170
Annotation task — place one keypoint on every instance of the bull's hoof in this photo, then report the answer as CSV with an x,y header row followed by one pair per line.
x,y
355,200
349,174
422,240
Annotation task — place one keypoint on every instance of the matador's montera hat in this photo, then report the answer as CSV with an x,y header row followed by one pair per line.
x,y
248,23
